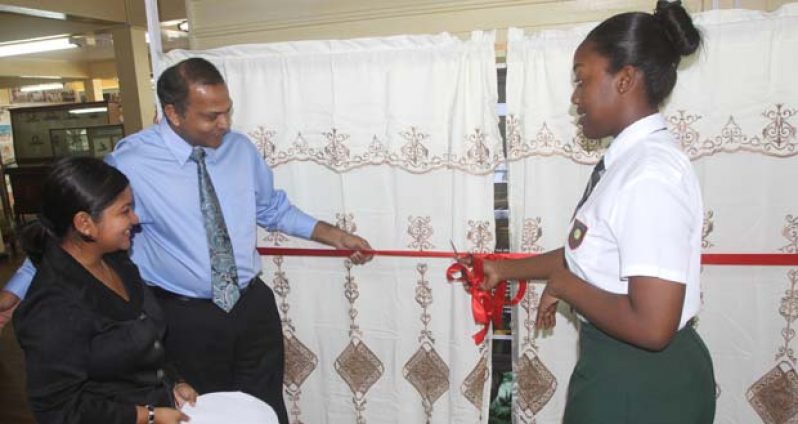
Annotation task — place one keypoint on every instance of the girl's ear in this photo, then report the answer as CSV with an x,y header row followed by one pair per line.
x,y
626,79
84,224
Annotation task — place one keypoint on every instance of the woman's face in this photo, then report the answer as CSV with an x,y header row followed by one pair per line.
x,y
115,223
595,95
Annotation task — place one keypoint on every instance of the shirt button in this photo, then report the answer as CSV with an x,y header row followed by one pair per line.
x,y
157,345
142,317
159,375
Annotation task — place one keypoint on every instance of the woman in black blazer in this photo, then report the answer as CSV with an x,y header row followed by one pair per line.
x,y
91,330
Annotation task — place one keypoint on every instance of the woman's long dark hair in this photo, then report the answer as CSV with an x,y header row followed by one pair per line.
x,y
653,43
76,184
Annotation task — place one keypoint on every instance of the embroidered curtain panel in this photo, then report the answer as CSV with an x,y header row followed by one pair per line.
x,y
394,139
734,112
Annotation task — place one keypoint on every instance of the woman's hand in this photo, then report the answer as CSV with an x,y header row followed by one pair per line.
x,y
184,393
550,299
547,310
490,270
169,416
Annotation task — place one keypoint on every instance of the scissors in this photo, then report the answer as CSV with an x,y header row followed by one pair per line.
x,y
465,259
454,249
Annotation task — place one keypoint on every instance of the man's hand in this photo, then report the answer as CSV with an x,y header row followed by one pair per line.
x,y
8,302
340,239
358,244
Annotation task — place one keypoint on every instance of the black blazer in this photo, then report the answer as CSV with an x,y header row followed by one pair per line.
x,y
90,355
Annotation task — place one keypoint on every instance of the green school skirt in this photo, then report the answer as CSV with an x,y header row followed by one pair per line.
x,y
616,383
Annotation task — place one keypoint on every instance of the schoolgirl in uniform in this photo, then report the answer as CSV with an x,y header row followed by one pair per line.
x,y
631,264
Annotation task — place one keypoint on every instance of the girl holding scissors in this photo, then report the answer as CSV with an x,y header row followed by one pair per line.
x,y
631,264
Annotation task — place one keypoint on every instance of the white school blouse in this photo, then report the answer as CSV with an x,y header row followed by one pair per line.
x,y
644,217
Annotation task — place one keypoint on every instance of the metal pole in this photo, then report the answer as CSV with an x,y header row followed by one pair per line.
x,y
156,48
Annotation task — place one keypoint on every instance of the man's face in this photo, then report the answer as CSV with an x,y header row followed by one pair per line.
x,y
207,116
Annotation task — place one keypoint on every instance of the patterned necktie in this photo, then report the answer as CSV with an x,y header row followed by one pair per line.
x,y
224,275
595,176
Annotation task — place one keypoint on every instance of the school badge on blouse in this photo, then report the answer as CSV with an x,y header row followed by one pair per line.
x,y
577,234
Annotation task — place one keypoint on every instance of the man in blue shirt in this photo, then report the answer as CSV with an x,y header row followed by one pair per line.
x,y
215,350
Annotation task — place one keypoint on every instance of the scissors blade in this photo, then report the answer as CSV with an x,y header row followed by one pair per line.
x,y
454,249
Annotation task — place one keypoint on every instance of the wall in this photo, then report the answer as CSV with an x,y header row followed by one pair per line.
x,y
217,23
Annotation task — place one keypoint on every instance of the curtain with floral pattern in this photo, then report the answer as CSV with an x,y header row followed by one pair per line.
x,y
734,112
394,139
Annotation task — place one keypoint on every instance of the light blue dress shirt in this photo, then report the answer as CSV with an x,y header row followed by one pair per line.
x,y
171,250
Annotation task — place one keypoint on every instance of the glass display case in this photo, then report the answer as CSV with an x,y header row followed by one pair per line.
x,y
95,141
44,134
32,129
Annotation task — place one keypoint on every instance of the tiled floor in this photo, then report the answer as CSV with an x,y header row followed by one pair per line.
x,y
13,401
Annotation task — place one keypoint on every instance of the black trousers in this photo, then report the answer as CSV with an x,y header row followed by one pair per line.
x,y
237,351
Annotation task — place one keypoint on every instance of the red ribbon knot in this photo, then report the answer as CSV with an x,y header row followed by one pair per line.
x,y
486,305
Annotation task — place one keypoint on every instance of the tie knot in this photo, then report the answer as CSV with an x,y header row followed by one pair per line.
x,y
599,166
197,154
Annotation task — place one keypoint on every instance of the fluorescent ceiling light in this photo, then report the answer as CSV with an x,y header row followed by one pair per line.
x,y
42,87
33,12
37,46
40,77
89,110
181,24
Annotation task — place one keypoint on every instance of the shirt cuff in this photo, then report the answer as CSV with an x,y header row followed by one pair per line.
x,y
20,282
298,223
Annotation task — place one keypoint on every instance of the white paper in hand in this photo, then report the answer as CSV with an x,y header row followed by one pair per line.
x,y
230,407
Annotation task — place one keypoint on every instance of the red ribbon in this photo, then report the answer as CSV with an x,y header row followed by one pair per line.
x,y
741,259
486,305
750,259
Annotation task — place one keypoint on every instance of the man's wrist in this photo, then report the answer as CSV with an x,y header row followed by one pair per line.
x,y
329,234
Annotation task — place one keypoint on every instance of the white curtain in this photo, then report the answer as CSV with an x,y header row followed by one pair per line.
x,y
734,111
394,139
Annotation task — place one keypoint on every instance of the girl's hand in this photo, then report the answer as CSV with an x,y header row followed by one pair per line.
x,y
169,416
547,310
491,272
549,300
183,393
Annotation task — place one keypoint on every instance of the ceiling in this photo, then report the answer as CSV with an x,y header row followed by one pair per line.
x,y
93,36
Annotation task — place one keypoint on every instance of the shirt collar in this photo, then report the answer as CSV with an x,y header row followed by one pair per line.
x,y
91,289
627,138
180,147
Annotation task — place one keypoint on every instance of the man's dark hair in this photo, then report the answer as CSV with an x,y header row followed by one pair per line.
x,y
174,82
